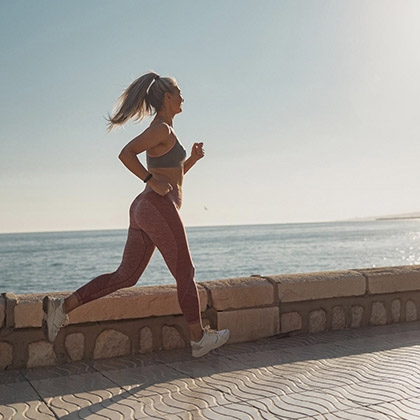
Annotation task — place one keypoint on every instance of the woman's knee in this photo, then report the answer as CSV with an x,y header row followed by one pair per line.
x,y
191,272
187,274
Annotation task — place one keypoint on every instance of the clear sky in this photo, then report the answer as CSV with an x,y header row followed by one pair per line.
x,y
309,110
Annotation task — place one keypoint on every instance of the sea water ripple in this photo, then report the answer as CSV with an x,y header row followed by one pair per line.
x,y
63,261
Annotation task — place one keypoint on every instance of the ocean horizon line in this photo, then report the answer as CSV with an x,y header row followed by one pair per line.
x,y
401,217
188,226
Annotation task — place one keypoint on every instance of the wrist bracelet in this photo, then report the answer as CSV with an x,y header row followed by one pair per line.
x,y
148,177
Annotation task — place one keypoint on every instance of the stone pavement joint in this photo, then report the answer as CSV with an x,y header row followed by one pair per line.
x,y
371,372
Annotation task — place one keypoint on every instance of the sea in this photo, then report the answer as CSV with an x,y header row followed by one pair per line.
x,y
63,261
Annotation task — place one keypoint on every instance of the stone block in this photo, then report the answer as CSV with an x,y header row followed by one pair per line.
x,y
133,303
10,301
28,310
111,343
323,285
396,310
338,321
2,311
410,311
392,279
6,355
378,314
41,353
249,324
171,338
146,340
240,293
75,346
357,313
291,321
317,321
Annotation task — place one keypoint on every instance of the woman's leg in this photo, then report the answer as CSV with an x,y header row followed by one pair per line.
x,y
164,226
137,253
166,230
157,223
161,221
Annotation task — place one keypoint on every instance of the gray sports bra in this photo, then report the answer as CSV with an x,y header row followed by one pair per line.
x,y
173,158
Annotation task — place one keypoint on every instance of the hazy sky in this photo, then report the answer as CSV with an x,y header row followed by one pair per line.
x,y
309,110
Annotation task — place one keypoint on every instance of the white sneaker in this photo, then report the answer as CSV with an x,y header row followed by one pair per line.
x,y
211,339
54,317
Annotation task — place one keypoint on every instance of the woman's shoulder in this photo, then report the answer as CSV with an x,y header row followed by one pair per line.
x,y
160,129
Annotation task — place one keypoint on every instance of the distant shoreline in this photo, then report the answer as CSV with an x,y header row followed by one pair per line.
x,y
398,218
113,229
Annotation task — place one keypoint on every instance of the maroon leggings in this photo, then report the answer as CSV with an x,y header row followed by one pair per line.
x,y
154,222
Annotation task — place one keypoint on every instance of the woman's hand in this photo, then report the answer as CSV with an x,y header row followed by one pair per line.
x,y
160,187
197,151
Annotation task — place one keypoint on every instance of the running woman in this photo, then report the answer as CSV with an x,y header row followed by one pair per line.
x,y
155,221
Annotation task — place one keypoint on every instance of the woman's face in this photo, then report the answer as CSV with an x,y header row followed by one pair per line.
x,y
175,100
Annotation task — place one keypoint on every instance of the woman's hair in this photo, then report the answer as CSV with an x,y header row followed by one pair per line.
x,y
143,97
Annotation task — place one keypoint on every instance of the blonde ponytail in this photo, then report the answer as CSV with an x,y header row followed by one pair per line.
x,y
142,98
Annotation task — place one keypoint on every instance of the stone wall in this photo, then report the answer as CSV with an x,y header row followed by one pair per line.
x,y
145,319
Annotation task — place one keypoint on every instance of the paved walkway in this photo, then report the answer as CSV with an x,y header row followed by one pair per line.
x,y
369,373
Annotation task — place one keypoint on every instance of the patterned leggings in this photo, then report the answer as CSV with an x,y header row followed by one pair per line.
x,y
154,223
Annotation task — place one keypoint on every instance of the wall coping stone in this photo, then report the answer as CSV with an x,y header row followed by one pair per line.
x,y
242,292
25,311
392,279
319,285
130,303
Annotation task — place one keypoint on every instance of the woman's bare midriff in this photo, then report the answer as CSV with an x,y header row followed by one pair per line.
x,y
173,176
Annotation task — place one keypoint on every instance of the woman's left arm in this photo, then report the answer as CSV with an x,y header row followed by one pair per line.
x,y
197,152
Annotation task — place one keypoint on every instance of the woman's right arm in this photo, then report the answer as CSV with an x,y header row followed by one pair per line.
x,y
151,137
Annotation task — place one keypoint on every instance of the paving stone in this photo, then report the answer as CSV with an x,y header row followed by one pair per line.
x,y
371,372
19,400
70,394
406,409
11,377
